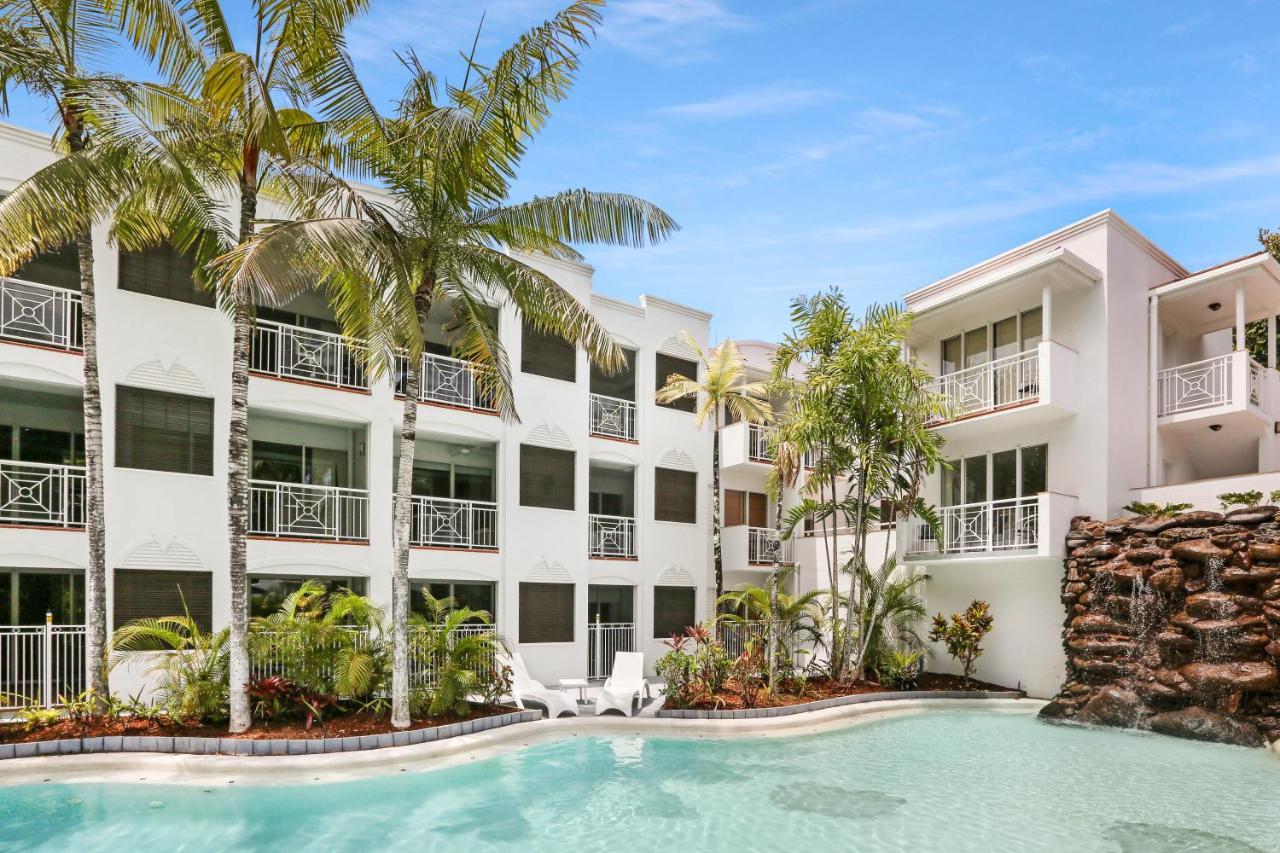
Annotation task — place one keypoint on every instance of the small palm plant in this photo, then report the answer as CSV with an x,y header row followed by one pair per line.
x,y
190,665
460,664
796,622
723,387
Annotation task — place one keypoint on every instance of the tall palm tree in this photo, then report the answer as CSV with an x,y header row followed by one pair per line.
x,y
724,387
788,460
442,230
56,49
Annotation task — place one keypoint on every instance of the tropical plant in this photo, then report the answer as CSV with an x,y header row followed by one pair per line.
x,y
188,663
750,673
276,696
459,664
963,634
1143,508
695,669
900,668
788,461
56,50
792,623
1253,497
444,231
891,612
723,389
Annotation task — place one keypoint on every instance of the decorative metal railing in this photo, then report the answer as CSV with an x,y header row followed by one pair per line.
x,y
40,314
1001,525
984,387
40,665
604,641
611,536
452,382
308,512
449,523
1199,385
758,449
764,546
294,352
612,417
36,493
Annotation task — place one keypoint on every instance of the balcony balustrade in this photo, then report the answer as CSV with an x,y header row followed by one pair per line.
x,y
450,523
39,494
612,536
295,510
309,355
612,417
40,314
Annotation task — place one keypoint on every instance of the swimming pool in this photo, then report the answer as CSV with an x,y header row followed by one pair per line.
x,y
942,780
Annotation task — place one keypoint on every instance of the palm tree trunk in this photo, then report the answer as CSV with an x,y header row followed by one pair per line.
x,y
95,581
238,463
400,716
773,586
717,560
855,607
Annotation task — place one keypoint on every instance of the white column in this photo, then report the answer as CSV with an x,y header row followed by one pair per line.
x,y
1153,378
1240,316
1271,340
1046,313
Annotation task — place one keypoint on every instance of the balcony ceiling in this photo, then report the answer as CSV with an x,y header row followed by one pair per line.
x,y
1184,304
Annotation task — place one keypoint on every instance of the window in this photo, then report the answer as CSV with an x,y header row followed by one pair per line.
x,y
48,446
26,595
151,593
1032,328
546,613
546,477
268,592
165,272
620,385
476,596
673,610
57,268
610,604
1007,474
675,495
749,508
666,366
295,463
547,355
163,431
1001,339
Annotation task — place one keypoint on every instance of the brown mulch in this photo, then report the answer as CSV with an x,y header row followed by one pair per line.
x,y
818,689
346,725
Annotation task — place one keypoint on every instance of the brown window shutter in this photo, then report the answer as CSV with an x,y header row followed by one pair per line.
x,y
675,495
546,477
673,610
734,509
547,355
757,510
151,593
665,367
164,272
163,431
546,613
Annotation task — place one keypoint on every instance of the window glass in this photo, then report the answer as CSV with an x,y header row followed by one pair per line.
x,y
1031,328
975,479
326,467
57,268
431,479
268,592
472,484
277,463
975,347
49,446
7,450
1004,475
610,603
1005,333
547,355
26,596
1035,466
951,355
620,385
673,610
951,476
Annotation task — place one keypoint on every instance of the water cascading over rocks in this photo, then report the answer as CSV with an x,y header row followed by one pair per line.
x,y
1173,625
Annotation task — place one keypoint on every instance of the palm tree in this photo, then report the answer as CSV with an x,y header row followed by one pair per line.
x,y
783,474
442,229
794,620
54,49
724,387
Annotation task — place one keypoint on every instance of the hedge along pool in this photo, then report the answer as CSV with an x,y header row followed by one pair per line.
x,y
941,780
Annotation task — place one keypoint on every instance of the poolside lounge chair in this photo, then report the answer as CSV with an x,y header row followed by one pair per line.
x,y
625,685
525,688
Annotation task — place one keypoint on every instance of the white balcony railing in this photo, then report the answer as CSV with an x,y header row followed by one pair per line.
x,y
1208,383
758,449
308,512
451,382
764,546
613,418
40,665
985,387
612,536
1002,525
40,314
604,641
294,352
35,493
449,523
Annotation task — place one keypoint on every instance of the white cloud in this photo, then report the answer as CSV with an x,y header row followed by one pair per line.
x,y
439,29
752,102
670,32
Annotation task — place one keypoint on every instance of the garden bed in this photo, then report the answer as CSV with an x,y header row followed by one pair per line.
x,y
347,733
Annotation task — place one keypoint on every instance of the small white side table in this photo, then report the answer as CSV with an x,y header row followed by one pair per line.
x,y
580,684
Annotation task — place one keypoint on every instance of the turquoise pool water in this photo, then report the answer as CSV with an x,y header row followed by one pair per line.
x,y
946,781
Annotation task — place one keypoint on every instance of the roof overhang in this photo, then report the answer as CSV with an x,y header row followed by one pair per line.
x,y
1184,304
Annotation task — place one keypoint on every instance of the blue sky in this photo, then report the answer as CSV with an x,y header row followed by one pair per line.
x,y
877,145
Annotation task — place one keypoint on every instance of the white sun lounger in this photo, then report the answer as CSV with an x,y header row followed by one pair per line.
x,y
524,688
625,685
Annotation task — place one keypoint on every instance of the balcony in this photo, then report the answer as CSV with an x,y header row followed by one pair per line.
x,y
613,418
306,355
612,536
1213,387
1032,525
449,523
1024,388
754,547
745,445
449,381
37,494
298,511
39,314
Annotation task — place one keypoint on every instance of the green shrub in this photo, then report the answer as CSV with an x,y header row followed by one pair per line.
x,y
1250,498
1144,509
963,634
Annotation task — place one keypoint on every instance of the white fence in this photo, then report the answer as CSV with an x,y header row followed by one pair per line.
x,y
764,546
1205,384
309,512
35,493
40,665
294,352
40,314
758,449
449,523
612,536
604,641
983,387
451,382
987,526
613,418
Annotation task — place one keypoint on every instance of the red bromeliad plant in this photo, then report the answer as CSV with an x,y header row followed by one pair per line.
x,y
275,696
